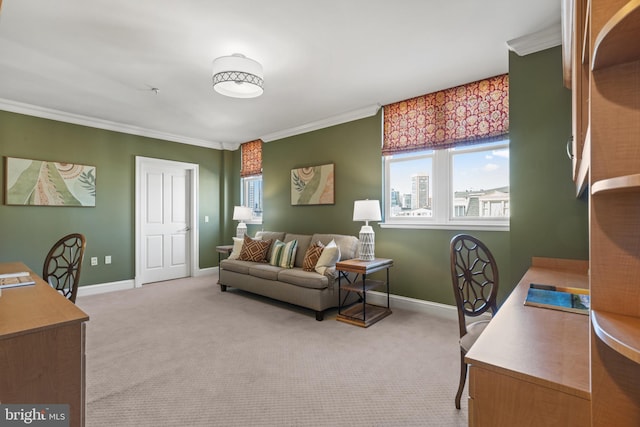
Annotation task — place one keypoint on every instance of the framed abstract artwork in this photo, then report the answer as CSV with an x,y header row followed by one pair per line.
x,y
313,185
42,183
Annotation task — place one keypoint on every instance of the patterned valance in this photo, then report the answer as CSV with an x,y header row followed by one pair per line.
x,y
474,113
251,158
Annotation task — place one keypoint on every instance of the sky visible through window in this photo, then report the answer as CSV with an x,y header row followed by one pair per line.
x,y
472,171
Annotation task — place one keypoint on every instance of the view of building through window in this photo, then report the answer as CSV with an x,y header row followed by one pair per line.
x,y
252,195
472,181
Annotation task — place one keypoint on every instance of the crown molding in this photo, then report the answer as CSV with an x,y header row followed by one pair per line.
x,y
535,42
78,119
324,123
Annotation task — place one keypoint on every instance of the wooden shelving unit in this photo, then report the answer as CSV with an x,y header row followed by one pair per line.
x,y
621,333
617,41
617,184
607,115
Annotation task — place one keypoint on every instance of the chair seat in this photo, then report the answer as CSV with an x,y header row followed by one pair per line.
x,y
473,332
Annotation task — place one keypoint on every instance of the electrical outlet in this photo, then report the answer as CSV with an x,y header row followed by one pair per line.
x,y
107,259
94,260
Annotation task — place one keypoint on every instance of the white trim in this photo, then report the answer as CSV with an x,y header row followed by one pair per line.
x,y
78,119
105,287
123,285
411,304
380,298
450,226
541,40
194,178
324,123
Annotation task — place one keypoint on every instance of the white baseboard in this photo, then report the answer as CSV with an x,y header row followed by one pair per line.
x,y
375,297
412,304
122,285
105,287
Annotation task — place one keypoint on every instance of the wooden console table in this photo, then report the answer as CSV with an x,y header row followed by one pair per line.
x,y
530,366
363,314
42,336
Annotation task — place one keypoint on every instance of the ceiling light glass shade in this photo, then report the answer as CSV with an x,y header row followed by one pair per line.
x,y
237,76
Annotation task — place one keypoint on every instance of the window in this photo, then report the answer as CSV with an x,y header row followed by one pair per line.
x,y
252,195
446,157
459,186
251,177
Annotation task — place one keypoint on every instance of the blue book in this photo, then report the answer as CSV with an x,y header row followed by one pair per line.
x,y
574,300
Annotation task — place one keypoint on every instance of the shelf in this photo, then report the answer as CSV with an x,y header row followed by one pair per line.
x,y
618,184
617,42
356,314
357,286
620,332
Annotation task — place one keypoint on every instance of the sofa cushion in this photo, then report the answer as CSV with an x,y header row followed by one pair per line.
x,y
311,256
254,250
237,247
265,271
330,255
270,235
306,279
348,244
304,240
284,254
238,266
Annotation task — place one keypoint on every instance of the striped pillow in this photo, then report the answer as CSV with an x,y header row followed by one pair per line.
x,y
284,254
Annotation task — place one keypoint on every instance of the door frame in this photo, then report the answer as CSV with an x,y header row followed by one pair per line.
x,y
193,173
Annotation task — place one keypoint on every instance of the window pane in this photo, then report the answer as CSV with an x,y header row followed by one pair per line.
x,y
481,183
252,195
410,186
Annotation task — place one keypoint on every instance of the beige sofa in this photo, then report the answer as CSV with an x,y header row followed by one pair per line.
x,y
308,289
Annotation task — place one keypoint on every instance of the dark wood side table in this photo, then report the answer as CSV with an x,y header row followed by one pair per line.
x,y
222,249
363,314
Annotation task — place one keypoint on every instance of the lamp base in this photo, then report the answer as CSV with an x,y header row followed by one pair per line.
x,y
241,230
367,243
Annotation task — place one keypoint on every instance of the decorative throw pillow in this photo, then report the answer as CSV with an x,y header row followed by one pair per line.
x,y
311,256
330,255
254,250
284,254
237,247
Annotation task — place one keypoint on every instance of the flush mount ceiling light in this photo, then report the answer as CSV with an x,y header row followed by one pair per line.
x,y
237,76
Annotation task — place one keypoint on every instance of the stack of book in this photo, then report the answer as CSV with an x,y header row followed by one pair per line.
x,y
12,280
575,300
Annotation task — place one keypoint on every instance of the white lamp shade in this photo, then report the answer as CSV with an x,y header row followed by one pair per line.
x,y
237,76
366,210
242,213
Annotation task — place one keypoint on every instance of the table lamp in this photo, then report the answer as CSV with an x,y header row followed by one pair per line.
x,y
366,210
242,213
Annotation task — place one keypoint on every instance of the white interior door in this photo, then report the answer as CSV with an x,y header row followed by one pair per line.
x,y
165,222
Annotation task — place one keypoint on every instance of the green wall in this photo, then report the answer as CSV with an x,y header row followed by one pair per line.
x,y
547,219
29,231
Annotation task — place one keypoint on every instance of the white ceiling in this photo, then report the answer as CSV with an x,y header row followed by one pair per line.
x,y
95,62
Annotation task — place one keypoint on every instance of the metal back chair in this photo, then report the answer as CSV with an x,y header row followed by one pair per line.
x,y
63,264
474,274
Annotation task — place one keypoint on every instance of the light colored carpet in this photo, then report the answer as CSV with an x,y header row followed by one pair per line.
x,y
182,353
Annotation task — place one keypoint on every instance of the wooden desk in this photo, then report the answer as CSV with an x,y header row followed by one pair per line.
x,y
41,346
530,366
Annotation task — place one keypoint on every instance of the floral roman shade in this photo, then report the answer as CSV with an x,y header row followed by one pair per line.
x,y
251,158
473,113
